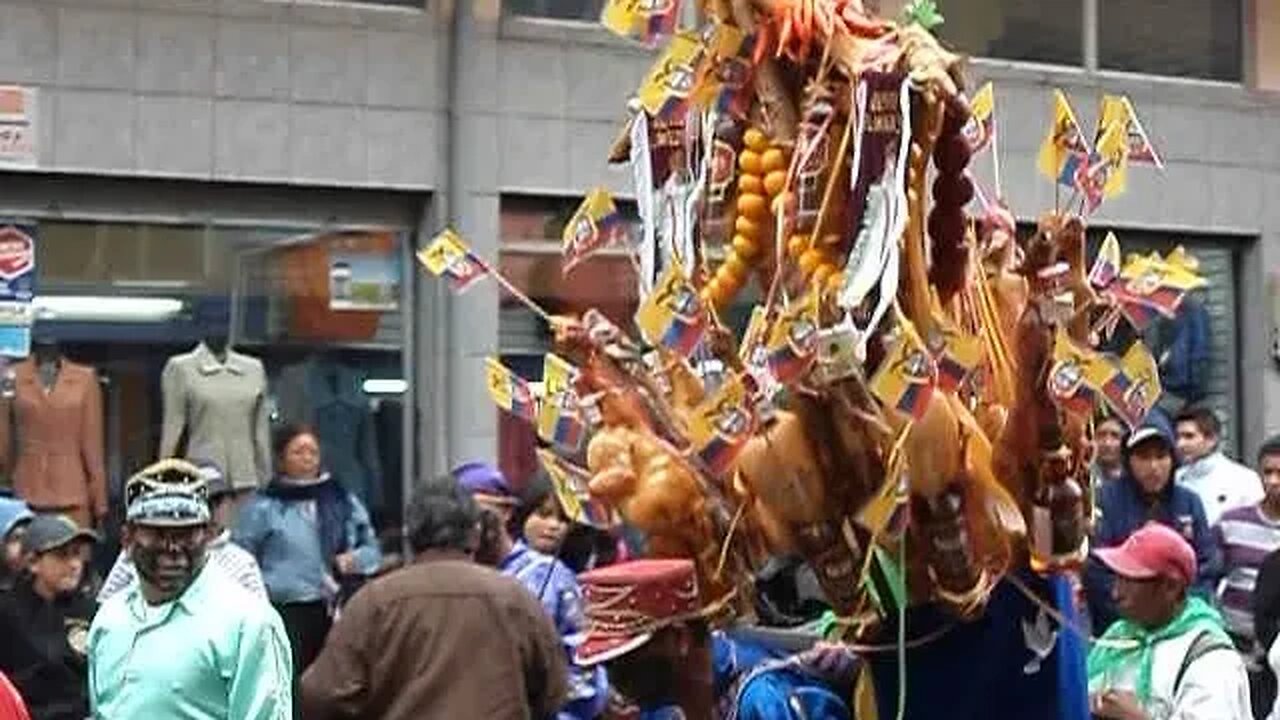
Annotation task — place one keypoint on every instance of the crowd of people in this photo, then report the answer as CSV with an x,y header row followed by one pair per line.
x,y
280,604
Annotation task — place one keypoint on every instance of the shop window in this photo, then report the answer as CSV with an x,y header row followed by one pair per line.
x,y
1179,38
320,310
1030,30
584,10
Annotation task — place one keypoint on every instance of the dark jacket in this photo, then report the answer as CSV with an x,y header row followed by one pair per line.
x,y
43,651
1124,508
441,638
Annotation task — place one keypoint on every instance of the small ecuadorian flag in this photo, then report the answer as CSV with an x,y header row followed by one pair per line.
x,y
669,88
721,424
1063,145
792,345
1135,386
906,379
509,391
596,224
646,21
448,256
981,128
673,316
572,487
560,420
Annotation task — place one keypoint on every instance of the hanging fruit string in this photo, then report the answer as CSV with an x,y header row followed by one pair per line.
x,y
828,194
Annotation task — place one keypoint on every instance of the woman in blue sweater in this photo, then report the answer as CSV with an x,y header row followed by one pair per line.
x,y
312,538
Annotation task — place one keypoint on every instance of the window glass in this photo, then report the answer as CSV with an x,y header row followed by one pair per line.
x,y
585,10
1180,38
1031,30
321,310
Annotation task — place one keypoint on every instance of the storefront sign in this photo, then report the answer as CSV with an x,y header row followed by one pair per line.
x,y
17,287
17,126
364,279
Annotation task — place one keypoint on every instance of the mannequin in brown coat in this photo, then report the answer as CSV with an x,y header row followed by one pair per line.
x,y
51,436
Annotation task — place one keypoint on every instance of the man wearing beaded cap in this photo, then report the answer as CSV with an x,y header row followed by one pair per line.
x,y
187,640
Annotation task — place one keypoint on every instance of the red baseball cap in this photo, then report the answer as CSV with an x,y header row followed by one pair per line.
x,y
628,602
1152,551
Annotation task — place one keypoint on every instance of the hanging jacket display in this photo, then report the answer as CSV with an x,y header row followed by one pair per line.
x,y
222,407
328,396
52,440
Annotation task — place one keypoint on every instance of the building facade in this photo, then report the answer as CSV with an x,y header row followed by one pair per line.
x,y
206,148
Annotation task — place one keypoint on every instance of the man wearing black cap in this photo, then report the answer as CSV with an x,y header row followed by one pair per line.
x,y
186,641
44,620
223,554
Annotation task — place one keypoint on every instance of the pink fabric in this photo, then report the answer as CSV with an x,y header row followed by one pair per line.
x,y
11,705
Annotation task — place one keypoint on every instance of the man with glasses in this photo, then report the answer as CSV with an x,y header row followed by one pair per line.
x,y
187,640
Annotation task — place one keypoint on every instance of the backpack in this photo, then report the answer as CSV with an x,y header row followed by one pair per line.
x,y
1203,644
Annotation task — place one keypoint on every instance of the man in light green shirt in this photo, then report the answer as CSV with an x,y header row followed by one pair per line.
x,y
187,642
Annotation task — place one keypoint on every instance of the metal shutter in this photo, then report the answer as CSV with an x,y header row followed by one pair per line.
x,y
1218,264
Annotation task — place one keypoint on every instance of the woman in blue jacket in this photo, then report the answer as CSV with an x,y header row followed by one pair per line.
x,y
312,538
1145,492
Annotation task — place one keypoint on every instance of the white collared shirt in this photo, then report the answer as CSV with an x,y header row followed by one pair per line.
x,y
1221,484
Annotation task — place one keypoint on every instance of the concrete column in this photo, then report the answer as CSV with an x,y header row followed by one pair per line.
x,y
471,320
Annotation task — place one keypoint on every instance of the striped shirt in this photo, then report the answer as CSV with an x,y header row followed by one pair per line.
x,y
238,564
1245,537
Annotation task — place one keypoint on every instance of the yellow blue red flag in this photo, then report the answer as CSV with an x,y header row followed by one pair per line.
x,y
792,344
726,83
907,377
669,88
1134,386
596,224
981,128
721,424
955,354
509,391
646,21
448,256
673,316
1064,147
572,489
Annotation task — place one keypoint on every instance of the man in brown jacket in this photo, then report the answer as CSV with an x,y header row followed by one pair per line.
x,y
442,638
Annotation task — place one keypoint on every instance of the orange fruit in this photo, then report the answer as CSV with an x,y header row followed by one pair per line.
x,y
774,182
823,271
835,281
773,159
749,161
797,245
750,184
745,247
753,207
810,261
755,140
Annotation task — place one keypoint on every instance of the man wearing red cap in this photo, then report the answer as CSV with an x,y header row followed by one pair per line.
x,y
645,623
1169,655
